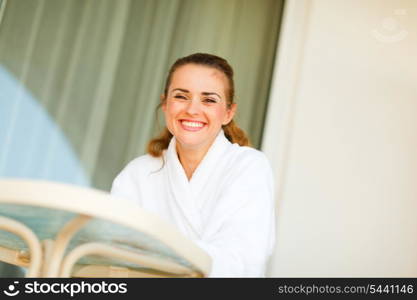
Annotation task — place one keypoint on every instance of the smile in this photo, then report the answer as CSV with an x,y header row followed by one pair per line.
x,y
191,125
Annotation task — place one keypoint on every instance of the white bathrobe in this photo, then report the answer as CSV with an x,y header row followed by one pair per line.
x,y
227,207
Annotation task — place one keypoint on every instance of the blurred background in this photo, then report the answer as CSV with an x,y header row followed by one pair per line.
x,y
81,79
326,88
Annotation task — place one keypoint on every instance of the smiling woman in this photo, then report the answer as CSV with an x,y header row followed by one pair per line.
x,y
199,98
201,176
195,113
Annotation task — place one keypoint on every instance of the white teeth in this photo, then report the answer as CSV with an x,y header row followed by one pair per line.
x,y
192,124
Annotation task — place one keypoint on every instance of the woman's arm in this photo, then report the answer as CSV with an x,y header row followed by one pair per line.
x,y
126,184
241,245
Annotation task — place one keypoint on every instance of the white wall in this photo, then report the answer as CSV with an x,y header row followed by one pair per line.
x,y
342,137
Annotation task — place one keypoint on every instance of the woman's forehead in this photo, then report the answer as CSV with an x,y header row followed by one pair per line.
x,y
199,78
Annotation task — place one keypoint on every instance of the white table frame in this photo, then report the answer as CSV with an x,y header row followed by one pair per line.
x,y
47,258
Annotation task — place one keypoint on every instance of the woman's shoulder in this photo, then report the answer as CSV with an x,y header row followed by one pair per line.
x,y
144,163
247,162
248,173
248,155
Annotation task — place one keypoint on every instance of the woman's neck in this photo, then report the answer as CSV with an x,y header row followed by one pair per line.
x,y
190,158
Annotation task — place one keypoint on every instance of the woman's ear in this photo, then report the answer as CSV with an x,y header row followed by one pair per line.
x,y
230,113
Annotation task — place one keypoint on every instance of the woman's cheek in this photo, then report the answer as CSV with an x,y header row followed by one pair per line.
x,y
219,114
174,107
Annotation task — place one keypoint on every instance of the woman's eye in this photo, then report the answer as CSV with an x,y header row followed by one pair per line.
x,y
209,100
179,97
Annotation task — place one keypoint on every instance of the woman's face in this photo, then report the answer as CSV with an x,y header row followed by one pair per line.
x,y
196,105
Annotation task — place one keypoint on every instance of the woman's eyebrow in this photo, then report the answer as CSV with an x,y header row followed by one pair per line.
x,y
210,93
181,90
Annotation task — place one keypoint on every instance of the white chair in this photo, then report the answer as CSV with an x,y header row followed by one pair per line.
x,y
60,230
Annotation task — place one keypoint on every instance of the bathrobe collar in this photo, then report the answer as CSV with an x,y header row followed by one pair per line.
x,y
189,195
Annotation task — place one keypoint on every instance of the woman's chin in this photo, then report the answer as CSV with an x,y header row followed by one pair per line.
x,y
189,142
192,141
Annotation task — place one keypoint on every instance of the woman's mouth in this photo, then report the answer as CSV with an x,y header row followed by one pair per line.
x,y
190,125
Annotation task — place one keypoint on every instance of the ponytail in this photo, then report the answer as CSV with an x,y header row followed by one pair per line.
x,y
157,145
236,135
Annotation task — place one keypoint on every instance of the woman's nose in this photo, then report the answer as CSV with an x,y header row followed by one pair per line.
x,y
193,106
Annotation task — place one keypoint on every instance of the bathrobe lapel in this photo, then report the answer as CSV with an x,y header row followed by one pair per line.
x,y
206,179
180,191
189,196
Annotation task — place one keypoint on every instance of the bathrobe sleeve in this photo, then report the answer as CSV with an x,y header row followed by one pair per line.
x,y
241,236
126,185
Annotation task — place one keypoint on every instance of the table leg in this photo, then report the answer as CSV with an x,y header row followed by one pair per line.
x,y
61,242
47,246
32,241
15,257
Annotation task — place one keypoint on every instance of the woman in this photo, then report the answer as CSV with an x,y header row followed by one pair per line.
x,y
201,176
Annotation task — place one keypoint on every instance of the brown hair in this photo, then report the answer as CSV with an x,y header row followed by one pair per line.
x,y
232,132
